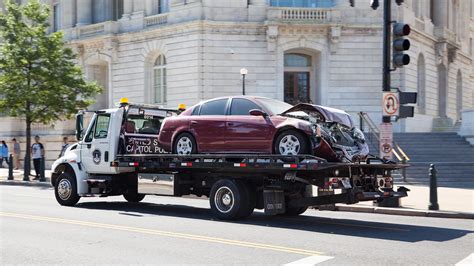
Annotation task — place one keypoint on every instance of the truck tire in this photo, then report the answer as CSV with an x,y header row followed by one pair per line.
x,y
231,199
185,144
295,211
133,197
65,190
307,191
291,142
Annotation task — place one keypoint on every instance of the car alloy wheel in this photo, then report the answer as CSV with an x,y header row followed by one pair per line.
x,y
289,145
184,146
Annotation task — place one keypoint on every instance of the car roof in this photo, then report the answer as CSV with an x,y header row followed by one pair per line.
x,y
251,97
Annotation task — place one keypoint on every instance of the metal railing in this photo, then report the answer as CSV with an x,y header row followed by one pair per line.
x,y
374,132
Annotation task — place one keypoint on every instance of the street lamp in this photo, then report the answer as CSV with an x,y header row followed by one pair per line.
x,y
243,72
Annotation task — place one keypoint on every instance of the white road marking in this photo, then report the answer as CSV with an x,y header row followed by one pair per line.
x,y
468,261
312,260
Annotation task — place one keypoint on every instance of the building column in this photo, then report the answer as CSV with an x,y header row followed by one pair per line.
x,y
84,12
68,13
149,8
440,18
138,6
127,8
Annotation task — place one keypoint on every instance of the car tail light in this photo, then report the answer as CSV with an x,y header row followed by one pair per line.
x,y
188,164
240,165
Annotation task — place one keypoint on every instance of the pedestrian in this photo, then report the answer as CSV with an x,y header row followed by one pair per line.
x,y
3,153
37,153
64,146
16,153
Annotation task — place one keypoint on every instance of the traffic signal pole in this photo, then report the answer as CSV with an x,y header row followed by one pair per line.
x,y
387,22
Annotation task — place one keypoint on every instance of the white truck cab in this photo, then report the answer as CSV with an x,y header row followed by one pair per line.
x,y
86,166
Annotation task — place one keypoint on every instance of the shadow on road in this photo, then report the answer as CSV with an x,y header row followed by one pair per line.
x,y
350,227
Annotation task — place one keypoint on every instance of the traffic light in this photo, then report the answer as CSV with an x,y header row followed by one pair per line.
x,y
407,98
352,3
399,2
400,44
374,4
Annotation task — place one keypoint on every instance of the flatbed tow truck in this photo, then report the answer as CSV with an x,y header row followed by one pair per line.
x,y
112,159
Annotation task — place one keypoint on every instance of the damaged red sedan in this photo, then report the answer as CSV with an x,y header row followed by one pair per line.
x,y
252,124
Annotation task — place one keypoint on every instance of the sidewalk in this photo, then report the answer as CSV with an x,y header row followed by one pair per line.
x,y
18,178
453,202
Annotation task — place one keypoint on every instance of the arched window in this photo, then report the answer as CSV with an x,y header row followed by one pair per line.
x,y
459,94
297,60
297,78
421,84
159,80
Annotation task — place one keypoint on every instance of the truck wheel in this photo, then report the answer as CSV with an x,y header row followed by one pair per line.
x,y
230,200
185,144
291,142
133,196
65,190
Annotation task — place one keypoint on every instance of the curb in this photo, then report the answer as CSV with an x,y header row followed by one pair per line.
x,y
35,183
405,212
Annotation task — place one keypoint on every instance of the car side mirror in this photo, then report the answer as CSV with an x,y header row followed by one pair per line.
x,y
79,126
257,112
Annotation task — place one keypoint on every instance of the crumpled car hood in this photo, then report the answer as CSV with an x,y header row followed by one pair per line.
x,y
329,114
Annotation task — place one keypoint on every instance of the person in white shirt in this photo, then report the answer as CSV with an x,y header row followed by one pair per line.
x,y
37,153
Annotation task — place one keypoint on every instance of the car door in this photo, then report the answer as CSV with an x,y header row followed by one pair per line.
x,y
208,126
96,144
245,132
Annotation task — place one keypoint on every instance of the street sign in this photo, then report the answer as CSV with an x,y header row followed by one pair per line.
x,y
391,104
386,140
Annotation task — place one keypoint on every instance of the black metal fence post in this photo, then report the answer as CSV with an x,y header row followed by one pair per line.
x,y
42,169
433,188
10,167
27,168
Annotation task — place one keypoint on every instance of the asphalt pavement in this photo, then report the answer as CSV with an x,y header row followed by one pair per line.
x,y
34,229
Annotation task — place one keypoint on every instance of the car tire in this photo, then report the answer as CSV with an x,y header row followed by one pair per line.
x,y
231,200
185,144
133,197
293,141
65,190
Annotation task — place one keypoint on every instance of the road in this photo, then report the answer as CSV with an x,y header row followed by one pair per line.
x,y
164,230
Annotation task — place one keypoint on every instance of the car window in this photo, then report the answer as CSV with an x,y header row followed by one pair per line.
x,y
242,107
102,126
216,107
195,110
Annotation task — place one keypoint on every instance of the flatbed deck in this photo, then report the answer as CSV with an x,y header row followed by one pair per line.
x,y
303,166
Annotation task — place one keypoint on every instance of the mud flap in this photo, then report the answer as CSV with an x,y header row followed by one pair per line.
x,y
274,202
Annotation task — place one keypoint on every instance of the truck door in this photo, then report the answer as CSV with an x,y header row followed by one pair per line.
x,y
95,154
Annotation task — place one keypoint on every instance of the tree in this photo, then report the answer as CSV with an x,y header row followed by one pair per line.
x,y
39,79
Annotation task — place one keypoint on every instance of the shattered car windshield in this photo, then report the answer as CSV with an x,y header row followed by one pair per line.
x,y
277,107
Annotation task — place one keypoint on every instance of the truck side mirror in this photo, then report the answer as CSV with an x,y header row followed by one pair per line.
x,y
79,126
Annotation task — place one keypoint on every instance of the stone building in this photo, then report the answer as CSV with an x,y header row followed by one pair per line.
x,y
320,51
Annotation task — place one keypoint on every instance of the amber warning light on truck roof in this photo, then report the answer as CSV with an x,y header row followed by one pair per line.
x,y
181,106
123,101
